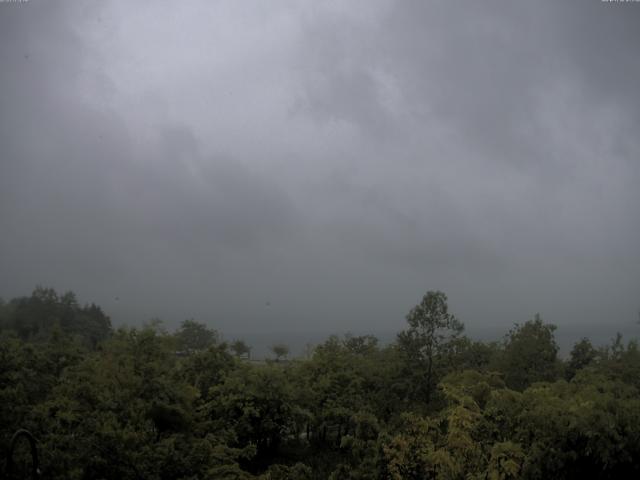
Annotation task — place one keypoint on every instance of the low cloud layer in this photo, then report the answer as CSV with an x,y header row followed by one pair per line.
x,y
317,166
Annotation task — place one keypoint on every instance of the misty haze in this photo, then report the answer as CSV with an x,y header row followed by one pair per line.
x,y
357,239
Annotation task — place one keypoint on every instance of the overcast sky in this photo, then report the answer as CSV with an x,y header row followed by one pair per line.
x,y
318,165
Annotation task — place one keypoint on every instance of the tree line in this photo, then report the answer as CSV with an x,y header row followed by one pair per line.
x,y
145,403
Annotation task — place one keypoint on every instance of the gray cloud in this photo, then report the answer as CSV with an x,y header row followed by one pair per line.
x,y
334,159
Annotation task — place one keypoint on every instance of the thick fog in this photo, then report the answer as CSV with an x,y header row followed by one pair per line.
x,y
316,166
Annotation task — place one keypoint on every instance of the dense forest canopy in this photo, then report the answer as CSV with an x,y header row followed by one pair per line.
x,y
145,403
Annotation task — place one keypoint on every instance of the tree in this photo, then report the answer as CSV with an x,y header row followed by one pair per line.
x,y
193,335
411,453
280,350
470,354
620,361
208,368
361,345
129,411
240,348
255,402
531,354
589,428
582,354
34,318
299,471
430,339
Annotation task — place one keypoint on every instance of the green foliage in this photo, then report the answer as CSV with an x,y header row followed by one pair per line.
x,y
429,345
240,349
280,350
571,430
207,369
583,354
472,384
410,454
621,362
194,336
36,317
255,403
299,471
142,403
506,461
469,354
135,416
530,354
360,345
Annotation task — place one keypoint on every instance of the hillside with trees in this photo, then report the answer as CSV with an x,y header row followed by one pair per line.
x,y
145,403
